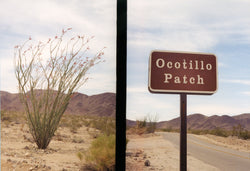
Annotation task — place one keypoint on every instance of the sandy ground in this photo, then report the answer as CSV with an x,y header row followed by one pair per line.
x,y
19,153
160,153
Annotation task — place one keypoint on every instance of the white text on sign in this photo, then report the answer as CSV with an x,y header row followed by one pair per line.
x,y
190,65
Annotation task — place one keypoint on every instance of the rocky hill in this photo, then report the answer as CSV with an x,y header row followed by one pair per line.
x,y
202,122
99,105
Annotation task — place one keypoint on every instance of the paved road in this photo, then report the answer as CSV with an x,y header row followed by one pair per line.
x,y
220,157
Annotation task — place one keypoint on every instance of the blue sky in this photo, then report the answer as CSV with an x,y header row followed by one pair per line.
x,y
42,19
209,26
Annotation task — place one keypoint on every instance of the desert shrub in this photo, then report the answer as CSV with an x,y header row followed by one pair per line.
x,y
151,123
141,123
138,131
198,131
146,125
168,129
106,125
141,131
237,130
244,135
79,155
12,116
58,67
77,140
101,154
219,132
5,117
240,132
75,124
127,140
86,122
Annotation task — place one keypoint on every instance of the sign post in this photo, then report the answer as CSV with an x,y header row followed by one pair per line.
x,y
182,73
183,132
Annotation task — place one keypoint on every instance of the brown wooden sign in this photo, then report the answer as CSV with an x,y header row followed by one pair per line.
x,y
181,72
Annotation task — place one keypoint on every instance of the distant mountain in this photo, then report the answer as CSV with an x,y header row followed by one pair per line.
x,y
130,123
98,105
10,102
244,119
202,122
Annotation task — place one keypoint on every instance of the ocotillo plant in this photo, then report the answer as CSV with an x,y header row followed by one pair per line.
x,y
48,74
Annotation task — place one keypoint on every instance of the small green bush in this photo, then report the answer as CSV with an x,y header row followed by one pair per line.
x,y
106,125
141,123
244,135
198,131
79,155
240,132
101,154
146,125
12,116
75,124
219,132
168,129
127,140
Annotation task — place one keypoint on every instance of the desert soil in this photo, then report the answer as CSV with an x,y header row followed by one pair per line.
x,y
18,152
163,156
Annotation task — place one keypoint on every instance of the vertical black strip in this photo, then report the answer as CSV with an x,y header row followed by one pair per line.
x,y
121,77
183,132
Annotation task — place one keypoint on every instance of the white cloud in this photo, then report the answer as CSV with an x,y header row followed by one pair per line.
x,y
141,89
246,93
188,25
98,83
237,81
46,14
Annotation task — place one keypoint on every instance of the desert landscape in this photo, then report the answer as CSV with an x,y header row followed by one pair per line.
x,y
68,149
18,152
155,145
85,121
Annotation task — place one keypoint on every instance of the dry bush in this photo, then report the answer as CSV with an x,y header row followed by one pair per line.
x,y
144,126
104,125
101,154
8,117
